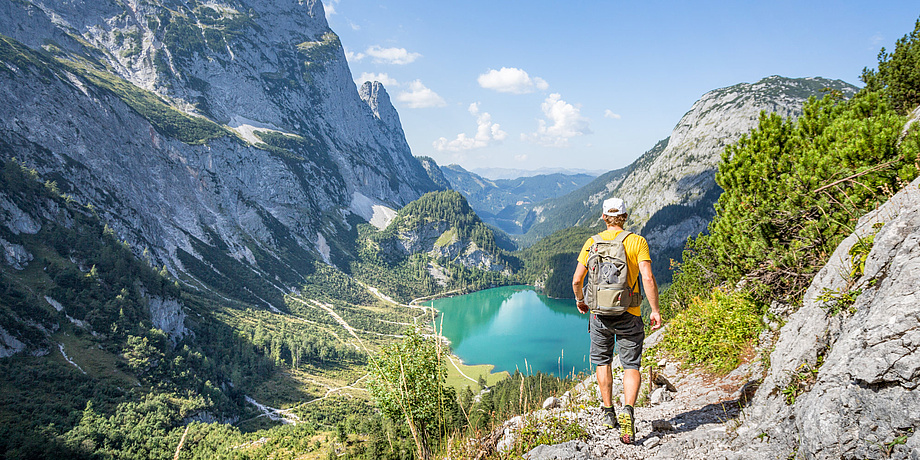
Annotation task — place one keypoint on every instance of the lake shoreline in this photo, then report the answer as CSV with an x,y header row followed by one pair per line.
x,y
463,291
458,366
532,332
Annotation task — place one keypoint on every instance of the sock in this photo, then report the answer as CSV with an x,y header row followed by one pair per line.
x,y
607,409
628,409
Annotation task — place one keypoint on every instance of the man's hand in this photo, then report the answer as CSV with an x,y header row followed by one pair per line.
x,y
654,320
582,306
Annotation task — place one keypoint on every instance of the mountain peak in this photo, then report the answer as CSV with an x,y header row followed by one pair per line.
x,y
375,95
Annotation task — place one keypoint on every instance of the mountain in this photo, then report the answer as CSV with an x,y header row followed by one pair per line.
x,y
444,226
505,203
221,138
512,173
670,189
434,172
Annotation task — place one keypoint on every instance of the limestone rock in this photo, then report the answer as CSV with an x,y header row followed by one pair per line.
x,y
281,71
662,381
671,188
15,219
9,345
15,255
167,315
552,403
866,393
662,425
660,395
572,450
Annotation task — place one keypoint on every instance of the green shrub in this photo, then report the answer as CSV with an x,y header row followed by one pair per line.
x,y
714,332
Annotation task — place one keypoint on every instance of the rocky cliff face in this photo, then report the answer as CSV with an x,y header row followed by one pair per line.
x,y
443,226
231,127
864,401
670,189
442,242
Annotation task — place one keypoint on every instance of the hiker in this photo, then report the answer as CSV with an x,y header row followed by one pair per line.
x,y
607,327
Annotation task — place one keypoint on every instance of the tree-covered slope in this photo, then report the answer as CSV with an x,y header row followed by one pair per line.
x,y
103,354
811,248
435,243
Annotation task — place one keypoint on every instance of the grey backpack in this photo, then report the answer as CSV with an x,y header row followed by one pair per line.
x,y
607,290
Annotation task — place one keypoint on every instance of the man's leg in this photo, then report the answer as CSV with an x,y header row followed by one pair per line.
x,y
605,383
603,342
630,336
632,379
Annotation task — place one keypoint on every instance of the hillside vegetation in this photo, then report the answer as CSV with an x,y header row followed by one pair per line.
x,y
116,359
793,190
434,244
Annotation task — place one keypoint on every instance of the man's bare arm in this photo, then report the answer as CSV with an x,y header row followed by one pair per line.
x,y
578,289
651,291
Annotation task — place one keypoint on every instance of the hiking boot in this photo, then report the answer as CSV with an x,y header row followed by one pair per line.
x,y
627,428
609,419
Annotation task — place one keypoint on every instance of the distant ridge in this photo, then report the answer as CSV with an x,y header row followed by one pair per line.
x,y
512,173
505,203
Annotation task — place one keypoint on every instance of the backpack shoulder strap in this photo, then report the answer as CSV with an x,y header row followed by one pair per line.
x,y
622,238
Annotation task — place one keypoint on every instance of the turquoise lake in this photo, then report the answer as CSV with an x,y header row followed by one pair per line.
x,y
507,325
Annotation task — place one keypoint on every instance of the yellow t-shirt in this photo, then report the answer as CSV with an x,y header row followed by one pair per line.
x,y
636,251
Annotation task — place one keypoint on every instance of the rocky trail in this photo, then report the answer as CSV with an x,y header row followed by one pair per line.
x,y
685,423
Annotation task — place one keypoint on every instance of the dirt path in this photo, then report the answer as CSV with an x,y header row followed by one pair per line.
x,y
277,415
452,363
337,389
328,309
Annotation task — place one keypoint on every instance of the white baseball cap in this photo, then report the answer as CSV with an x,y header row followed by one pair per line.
x,y
614,207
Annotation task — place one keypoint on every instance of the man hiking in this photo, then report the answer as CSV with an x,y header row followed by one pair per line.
x,y
619,325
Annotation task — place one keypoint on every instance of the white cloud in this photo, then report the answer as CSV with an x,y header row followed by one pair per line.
x,y
419,97
391,55
511,80
877,39
486,133
352,56
329,7
563,121
609,114
522,157
381,77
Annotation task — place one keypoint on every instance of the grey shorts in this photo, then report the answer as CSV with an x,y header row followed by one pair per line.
x,y
625,332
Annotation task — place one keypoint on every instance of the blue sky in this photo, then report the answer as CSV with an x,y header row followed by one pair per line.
x,y
588,83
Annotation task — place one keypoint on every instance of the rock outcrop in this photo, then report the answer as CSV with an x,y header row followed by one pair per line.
x,y
168,316
865,401
440,240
